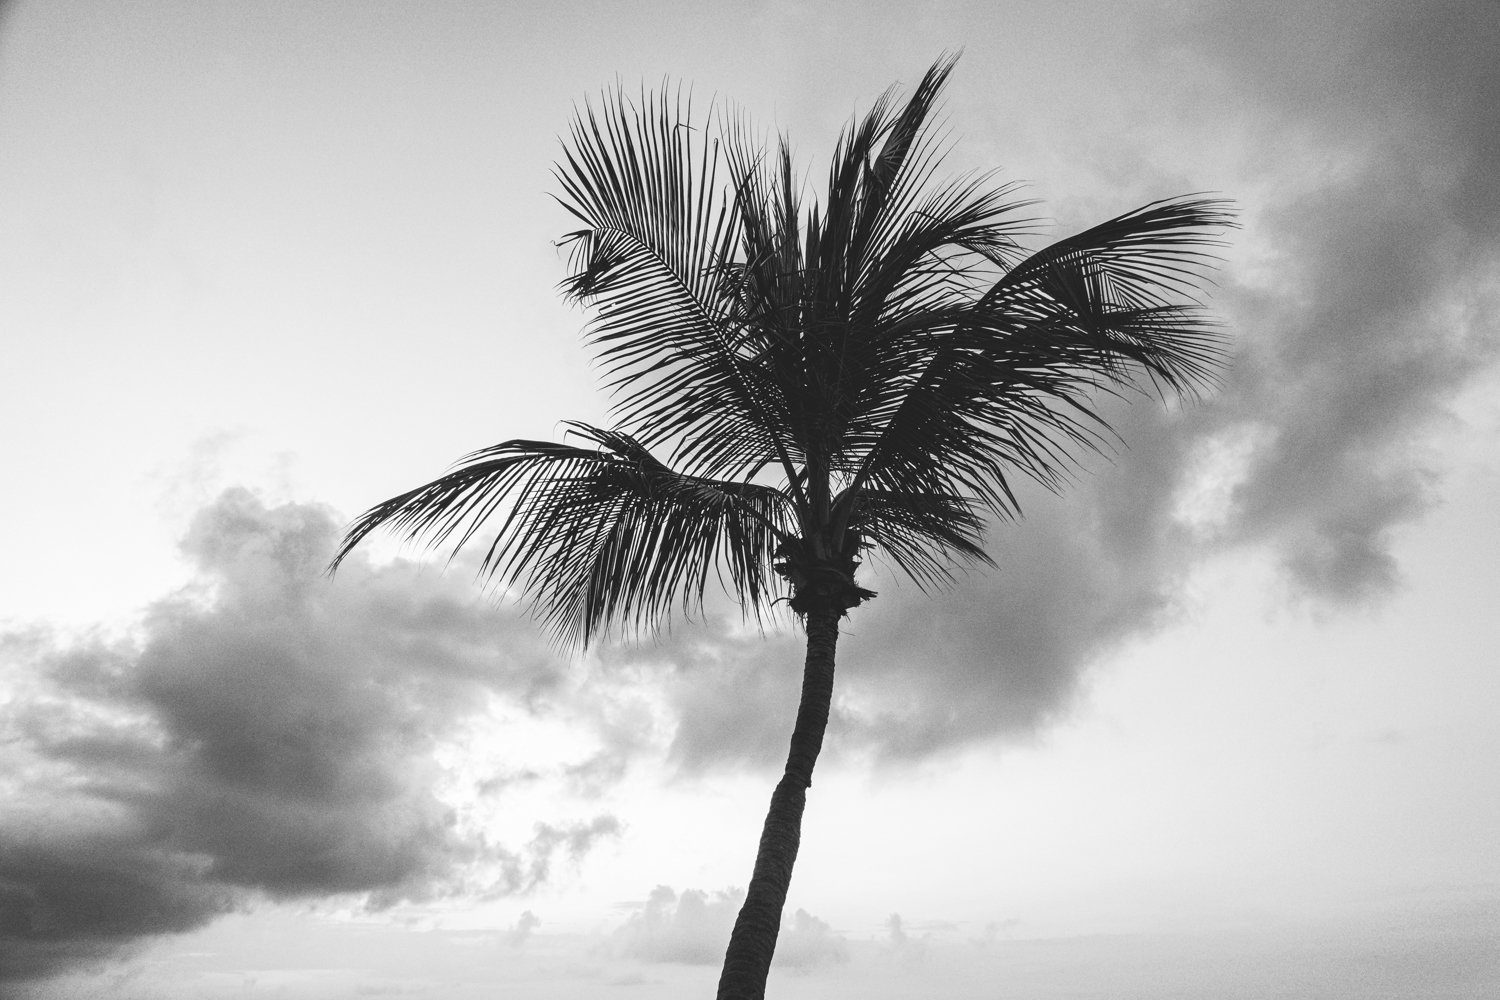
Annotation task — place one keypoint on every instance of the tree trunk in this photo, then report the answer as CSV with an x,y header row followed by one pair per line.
x,y
748,960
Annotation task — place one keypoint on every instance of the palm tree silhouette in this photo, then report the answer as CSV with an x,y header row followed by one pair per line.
x,y
861,374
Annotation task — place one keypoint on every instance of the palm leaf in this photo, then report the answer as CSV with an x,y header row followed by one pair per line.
x,y
923,533
1002,385
595,535
660,228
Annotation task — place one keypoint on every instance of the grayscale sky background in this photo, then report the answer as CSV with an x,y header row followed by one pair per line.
x,y
1225,721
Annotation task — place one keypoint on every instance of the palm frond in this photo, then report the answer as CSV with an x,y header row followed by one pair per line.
x,y
597,535
1162,248
1128,287
660,232
1002,385
925,534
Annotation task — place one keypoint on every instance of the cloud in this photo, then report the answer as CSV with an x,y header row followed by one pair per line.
x,y
576,838
269,732
895,932
730,694
808,943
1381,299
523,929
693,929
1000,653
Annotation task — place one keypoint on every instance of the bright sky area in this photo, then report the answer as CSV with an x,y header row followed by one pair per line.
x,y
1222,724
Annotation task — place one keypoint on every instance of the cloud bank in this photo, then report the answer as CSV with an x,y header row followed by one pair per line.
x,y
270,733
1381,300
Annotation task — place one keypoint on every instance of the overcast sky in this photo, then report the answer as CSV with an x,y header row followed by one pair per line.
x,y
1228,708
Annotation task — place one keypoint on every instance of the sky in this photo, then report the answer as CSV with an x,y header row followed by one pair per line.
x,y
1224,721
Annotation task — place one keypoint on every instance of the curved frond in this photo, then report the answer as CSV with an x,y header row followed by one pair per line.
x,y
1002,385
595,536
660,234
1162,248
925,534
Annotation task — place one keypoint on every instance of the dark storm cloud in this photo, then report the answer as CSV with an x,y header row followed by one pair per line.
x,y
999,653
1379,129
269,733
731,694
1364,301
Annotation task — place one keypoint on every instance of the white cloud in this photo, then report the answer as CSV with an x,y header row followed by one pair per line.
x,y
693,928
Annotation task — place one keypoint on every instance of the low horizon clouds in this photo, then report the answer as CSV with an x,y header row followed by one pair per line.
x,y
693,927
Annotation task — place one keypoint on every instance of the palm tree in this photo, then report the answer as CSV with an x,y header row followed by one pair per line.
x,y
865,374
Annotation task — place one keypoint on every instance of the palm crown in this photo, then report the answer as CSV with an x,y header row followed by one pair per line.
x,y
797,384
864,373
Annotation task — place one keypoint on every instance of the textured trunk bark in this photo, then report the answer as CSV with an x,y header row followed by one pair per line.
x,y
748,960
